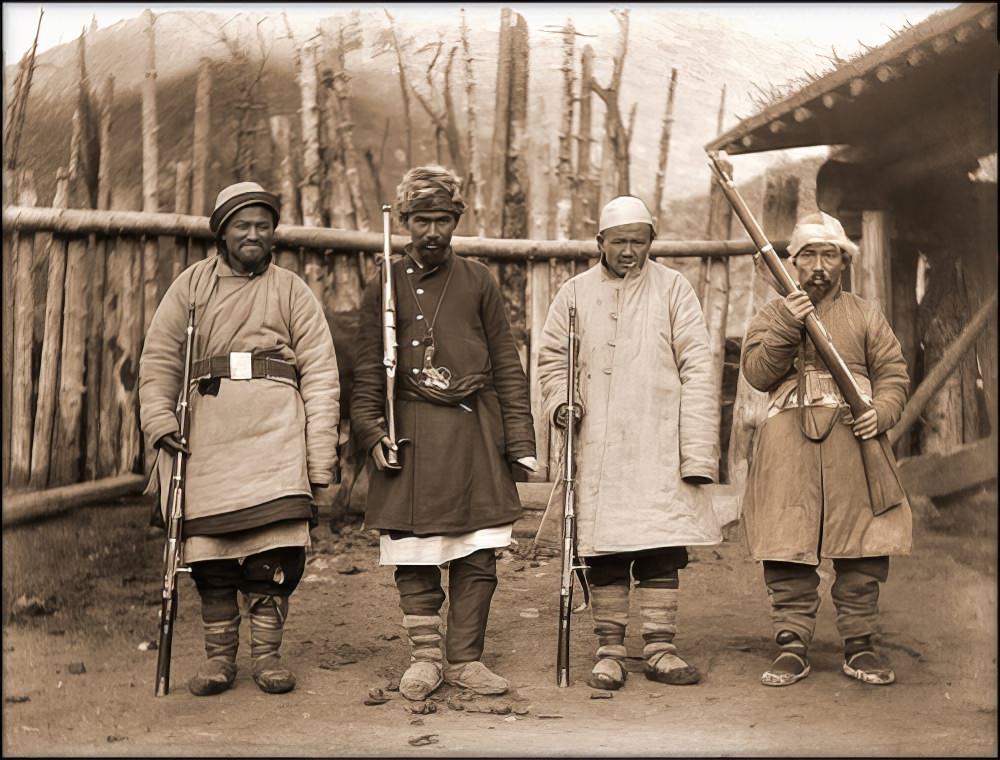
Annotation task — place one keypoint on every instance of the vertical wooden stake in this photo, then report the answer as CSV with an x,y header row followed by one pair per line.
x,y
202,123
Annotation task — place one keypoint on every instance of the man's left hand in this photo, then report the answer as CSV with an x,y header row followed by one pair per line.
x,y
866,426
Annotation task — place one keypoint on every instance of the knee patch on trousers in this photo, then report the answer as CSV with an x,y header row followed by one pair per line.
x,y
276,571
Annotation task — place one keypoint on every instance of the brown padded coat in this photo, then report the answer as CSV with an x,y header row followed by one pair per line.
x,y
456,474
256,440
805,500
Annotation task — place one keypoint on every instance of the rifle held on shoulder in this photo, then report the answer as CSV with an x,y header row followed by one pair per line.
x,y
884,487
172,559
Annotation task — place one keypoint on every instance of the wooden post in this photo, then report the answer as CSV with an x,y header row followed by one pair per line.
x,y
182,205
904,315
150,170
475,181
48,374
715,291
126,370
9,244
584,199
564,168
540,177
104,167
66,439
311,167
871,274
665,130
202,124
501,125
112,306
21,422
513,277
781,199
96,255
281,152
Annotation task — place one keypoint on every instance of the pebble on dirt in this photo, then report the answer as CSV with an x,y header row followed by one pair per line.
x,y
423,708
601,695
352,570
147,646
529,612
76,668
376,697
115,738
16,699
31,605
423,741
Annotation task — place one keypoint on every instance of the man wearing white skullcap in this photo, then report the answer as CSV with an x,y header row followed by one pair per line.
x,y
264,417
647,440
807,496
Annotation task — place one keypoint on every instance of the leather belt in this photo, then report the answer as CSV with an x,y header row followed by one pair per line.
x,y
260,366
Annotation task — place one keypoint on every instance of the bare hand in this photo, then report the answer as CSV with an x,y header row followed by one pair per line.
x,y
798,303
562,412
171,444
379,453
528,463
866,426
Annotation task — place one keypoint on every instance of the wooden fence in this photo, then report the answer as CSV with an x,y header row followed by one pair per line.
x,y
80,287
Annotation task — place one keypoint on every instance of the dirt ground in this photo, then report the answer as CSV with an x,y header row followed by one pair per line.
x,y
80,595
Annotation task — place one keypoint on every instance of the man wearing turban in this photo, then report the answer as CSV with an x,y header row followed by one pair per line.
x,y
807,496
462,403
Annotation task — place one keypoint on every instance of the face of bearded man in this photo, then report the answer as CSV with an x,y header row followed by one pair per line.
x,y
820,267
430,233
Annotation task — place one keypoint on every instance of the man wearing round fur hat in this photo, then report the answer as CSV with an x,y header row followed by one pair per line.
x,y
807,496
263,435
647,439
462,401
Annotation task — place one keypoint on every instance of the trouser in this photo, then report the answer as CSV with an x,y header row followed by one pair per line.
x,y
793,590
267,578
657,581
471,582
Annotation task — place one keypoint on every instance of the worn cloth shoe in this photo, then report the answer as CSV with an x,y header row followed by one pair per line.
x,y
271,675
790,665
868,667
665,666
420,680
213,677
475,677
609,673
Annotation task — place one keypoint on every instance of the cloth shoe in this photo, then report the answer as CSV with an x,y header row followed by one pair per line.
x,y
267,622
658,607
475,677
213,677
861,662
790,665
425,672
609,672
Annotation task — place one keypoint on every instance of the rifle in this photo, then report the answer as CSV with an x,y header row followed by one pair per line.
x,y
389,344
571,562
172,560
884,487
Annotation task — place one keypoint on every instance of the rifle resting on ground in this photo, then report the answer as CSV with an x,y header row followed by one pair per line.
x,y
173,562
884,487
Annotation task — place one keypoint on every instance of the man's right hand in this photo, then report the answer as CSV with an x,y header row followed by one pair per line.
x,y
171,444
799,304
562,412
378,453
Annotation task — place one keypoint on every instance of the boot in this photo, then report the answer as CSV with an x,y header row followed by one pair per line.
x,y
424,674
220,615
267,622
658,607
609,608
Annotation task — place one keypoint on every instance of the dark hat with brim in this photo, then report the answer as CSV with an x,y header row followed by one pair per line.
x,y
238,196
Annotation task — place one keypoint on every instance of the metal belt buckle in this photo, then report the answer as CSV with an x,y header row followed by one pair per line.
x,y
240,365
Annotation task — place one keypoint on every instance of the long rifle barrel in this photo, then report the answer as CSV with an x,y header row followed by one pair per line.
x,y
172,560
389,345
569,514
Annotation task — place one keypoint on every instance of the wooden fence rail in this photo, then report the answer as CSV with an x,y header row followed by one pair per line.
x,y
94,273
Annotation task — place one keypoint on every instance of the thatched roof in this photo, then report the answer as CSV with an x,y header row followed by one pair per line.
x,y
915,72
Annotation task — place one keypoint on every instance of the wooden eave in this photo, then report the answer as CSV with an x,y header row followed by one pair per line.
x,y
920,69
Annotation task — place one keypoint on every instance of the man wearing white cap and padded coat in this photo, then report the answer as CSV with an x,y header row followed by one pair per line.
x,y
806,494
646,441
263,435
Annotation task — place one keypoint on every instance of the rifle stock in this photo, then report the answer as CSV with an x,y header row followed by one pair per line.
x,y
172,560
389,345
885,490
